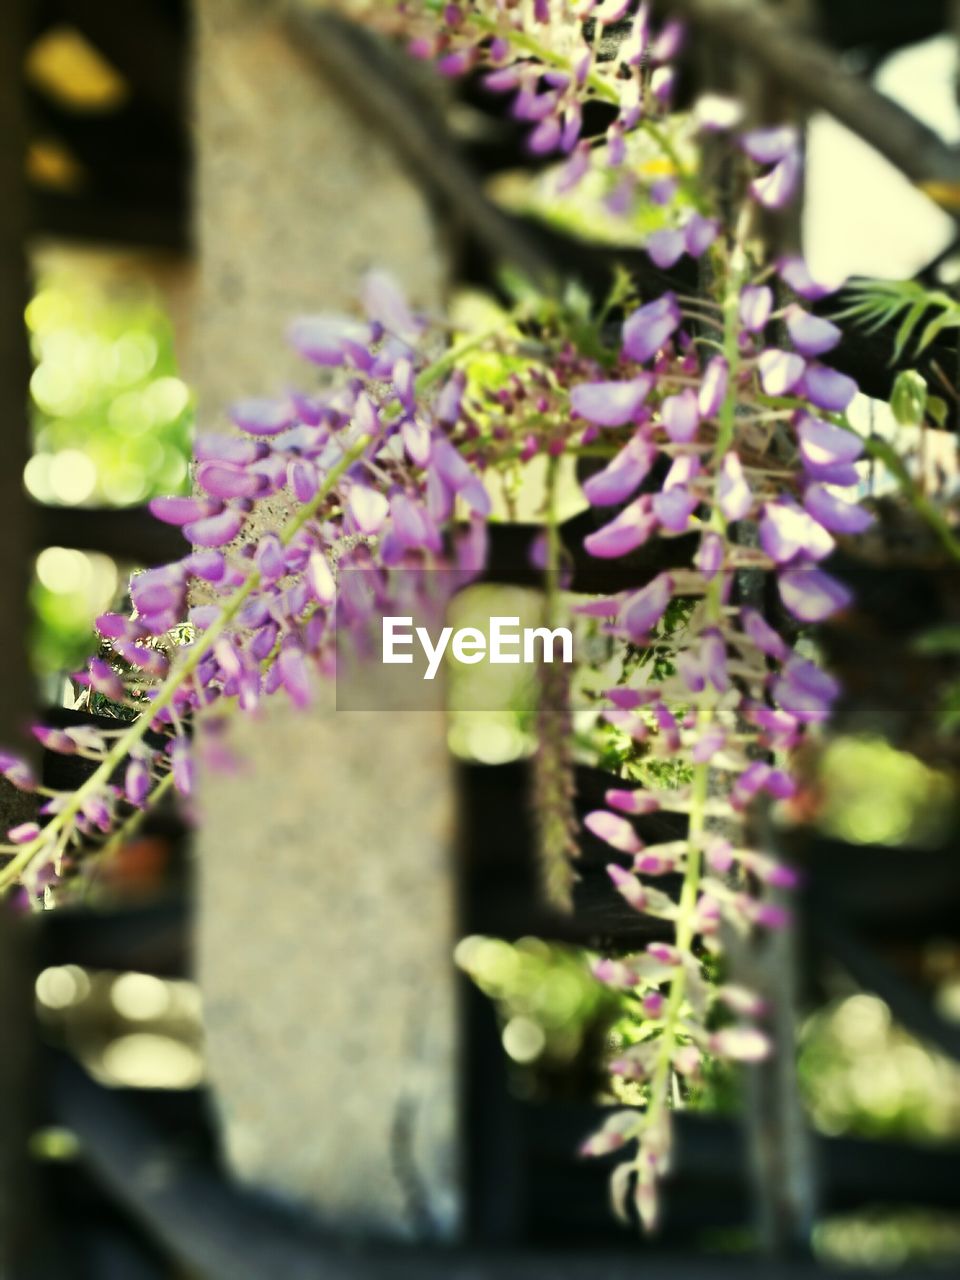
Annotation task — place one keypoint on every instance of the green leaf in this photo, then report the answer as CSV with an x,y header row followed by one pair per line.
x,y
908,399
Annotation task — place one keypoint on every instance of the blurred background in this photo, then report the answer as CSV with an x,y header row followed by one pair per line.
x,y
96,168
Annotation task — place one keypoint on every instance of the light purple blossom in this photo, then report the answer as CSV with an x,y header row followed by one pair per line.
x,y
805,690
828,388
649,327
811,335
780,371
824,445
733,492
713,388
680,415
777,188
833,512
794,272
788,532
812,595
643,609
666,247
616,831
756,303
699,234
622,475
770,144
625,533
610,404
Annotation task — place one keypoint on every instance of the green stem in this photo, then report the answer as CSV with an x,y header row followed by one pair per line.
x,y
700,785
180,674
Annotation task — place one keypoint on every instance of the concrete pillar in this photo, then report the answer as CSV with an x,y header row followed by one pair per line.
x,y
326,894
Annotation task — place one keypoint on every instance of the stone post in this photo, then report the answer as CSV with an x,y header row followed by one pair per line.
x,y
326,900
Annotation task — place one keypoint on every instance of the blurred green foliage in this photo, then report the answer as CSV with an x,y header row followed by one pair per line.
x,y
111,424
111,417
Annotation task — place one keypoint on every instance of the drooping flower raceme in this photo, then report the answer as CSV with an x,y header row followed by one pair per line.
x,y
718,416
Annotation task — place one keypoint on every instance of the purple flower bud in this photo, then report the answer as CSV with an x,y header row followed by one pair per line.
x,y
643,609
572,126
368,507
403,382
215,531
708,744
806,690
412,526
662,84
653,1004
320,579
733,492
610,404
713,658
822,444
627,885
54,739
616,146
622,475
811,595
710,553
294,675
183,510
756,303
680,415
719,855
151,661
224,480
105,681
811,335
269,558
575,170
663,190
828,388
642,802
182,763
699,234
209,565
622,695
24,833
157,591
666,247
236,450
668,43
649,327
770,144
713,388
529,105
416,440
614,830
458,63
325,339
788,532
780,371
303,480
794,272
674,507
763,635
777,188
630,529
261,645
503,80
386,304
610,11
136,782
545,137
834,513
263,417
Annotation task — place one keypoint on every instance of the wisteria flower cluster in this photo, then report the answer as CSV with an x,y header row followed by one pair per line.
x,y
717,415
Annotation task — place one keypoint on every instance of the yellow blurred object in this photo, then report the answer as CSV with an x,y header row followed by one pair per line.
x,y
66,65
51,165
